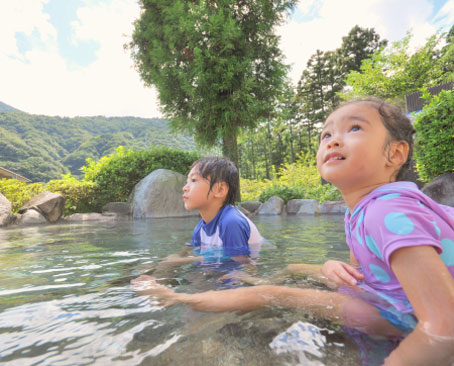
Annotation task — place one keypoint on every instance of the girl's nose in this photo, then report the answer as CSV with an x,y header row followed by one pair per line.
x,y
334,141
185,187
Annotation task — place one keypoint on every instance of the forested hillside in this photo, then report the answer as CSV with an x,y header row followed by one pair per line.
x,y
42,147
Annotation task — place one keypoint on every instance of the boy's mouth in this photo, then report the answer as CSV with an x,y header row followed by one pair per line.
x,y
333,156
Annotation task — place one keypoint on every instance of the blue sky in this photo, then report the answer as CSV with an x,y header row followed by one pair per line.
x,y
66,57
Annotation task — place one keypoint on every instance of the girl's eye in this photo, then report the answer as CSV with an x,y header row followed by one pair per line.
x,y
325,135
355,128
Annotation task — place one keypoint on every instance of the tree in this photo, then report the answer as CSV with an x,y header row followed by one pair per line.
x,y
216,64
393,72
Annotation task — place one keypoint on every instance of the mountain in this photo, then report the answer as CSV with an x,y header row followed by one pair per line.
x,y
7,108
42,148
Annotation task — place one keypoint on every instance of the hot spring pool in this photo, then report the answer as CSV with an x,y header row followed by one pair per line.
x,y
65,299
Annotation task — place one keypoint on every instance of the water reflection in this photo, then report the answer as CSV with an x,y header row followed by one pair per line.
x,y
65,297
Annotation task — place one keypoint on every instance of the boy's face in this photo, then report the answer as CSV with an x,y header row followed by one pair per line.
x,y
196,192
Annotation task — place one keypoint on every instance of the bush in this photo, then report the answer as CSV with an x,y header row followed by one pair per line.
x,y
434,153
80,195
284,192
298,180
116,174
19,193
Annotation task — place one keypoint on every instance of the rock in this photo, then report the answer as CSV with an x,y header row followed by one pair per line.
x,y
5,211
293,206
309,207
31,217
274,206
159,194
117,208
50,205
244,211
91,216
251,206
333,207
441,189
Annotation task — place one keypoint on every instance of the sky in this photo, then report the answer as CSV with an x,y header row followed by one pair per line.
x,y
66,57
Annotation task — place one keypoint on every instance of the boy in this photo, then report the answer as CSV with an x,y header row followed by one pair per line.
x,y
224,234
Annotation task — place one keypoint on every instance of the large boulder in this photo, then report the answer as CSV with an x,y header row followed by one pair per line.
x,y
117,209
441,189
159,194
31,217
251,206
308,207
91,216
50,205
5,210
274,206
333,207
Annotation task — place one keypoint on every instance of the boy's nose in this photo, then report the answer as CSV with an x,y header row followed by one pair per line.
x,y
334,141
185,187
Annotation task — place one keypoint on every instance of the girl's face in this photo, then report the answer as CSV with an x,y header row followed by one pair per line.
x,y
352,152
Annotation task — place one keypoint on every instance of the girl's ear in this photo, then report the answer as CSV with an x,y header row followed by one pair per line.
x,y
398,153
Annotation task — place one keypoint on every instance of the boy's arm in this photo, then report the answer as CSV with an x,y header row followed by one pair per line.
x,y
430,289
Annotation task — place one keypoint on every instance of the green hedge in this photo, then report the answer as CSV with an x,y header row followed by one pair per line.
x,y
117,174
434,150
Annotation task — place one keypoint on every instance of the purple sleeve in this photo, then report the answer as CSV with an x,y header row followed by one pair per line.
x,y
399,222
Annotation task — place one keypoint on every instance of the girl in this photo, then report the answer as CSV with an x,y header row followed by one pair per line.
x,y
400,280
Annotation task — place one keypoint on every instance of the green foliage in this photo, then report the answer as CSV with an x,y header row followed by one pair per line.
x,y
43,148
80,195
284,192
19,193
395,71
216,64
116,174
298,180
434,126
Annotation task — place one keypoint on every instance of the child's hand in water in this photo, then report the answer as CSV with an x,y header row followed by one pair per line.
x,y
342,273
147,285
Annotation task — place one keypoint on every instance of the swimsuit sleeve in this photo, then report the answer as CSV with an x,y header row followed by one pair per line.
x,y
398,222
235,232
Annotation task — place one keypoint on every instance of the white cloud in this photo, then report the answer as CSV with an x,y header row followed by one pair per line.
x,y
391,19
45,85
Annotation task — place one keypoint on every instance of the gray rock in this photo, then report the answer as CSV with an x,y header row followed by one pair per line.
x,y
294,205
50,205
117,208
91,216
274,206
31,217
441,189
251,206
244,211
309,207
5,211
333,207
159,194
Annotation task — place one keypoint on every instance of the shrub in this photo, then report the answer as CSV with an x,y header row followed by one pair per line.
x,y
298,180
19,193
80,195
434,153
116,174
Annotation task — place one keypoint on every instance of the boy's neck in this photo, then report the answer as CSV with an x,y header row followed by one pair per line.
x,y
210,213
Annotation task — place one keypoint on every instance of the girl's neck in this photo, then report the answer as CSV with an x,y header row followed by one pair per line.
x,y
352,197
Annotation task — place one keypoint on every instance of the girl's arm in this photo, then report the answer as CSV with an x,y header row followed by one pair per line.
x,y
430,289
343,274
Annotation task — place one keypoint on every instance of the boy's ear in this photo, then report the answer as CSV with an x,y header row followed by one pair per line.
x,y
398,153
221,189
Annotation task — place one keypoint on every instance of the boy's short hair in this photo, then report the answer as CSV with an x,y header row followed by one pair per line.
x,y
216,169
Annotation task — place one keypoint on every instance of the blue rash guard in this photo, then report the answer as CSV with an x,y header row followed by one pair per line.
x,y
229,234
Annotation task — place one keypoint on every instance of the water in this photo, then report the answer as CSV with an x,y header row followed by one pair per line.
x,y
65,298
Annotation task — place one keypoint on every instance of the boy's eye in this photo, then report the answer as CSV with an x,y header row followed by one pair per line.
x,y
355,128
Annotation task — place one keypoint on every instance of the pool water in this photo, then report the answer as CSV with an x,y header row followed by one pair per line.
x,y
65,298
